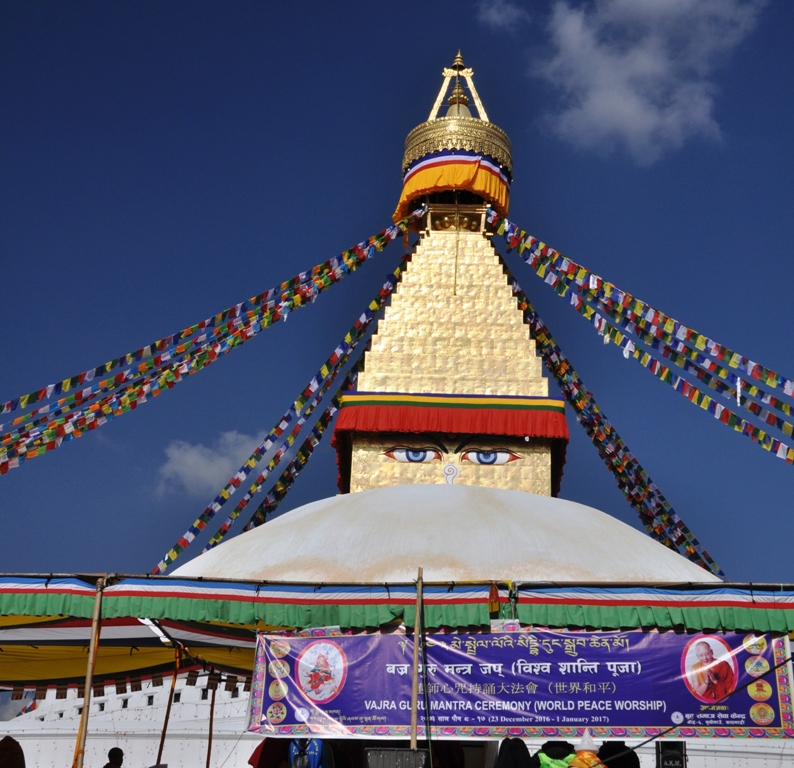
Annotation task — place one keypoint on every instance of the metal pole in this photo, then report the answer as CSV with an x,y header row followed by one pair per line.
x,y
426,690
212,718
168,707
415,676
96,626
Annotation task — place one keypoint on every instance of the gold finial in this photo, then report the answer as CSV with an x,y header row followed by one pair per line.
x,y
458,96
457,63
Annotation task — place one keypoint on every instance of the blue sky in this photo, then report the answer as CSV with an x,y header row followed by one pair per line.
x,y
161,162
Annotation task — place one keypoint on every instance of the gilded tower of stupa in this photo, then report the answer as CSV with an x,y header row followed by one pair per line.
x,y
452,389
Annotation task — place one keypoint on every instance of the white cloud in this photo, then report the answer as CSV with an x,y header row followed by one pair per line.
x,y
501,14
638,74
202,471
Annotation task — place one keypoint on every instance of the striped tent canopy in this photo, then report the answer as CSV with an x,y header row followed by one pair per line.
x,y
45,622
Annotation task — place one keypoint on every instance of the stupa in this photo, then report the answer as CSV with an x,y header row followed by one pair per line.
x,y
452,394
450,455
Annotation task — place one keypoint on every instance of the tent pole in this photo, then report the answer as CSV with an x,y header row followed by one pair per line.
x,y
168,706
212,717
96,626
415,675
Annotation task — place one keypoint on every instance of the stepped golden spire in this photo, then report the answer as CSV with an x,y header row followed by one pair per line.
x,y
452,389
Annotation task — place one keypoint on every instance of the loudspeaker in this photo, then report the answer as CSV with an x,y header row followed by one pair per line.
x,y
670,754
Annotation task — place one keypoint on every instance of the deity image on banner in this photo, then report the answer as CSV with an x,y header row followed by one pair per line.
x,y
321,671
484,460
709,668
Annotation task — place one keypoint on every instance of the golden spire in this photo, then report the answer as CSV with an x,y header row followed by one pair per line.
x,y
457,129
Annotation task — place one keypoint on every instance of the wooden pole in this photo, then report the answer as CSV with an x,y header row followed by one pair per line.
x,y
96,626
168,706
212,718
415,676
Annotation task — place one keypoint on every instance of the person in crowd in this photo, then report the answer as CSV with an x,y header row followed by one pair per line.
x,y
513,753
115,758
553,754
615,754
11,754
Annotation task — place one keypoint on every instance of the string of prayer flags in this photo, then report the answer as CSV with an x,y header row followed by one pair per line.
x,y
693,392
681,344
301,289
59,428
544,259
656,513
682,357
701,399
52,425
131,380
312,394
276,495
203,344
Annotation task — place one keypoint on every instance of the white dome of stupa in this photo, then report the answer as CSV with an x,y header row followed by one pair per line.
x,y
454,532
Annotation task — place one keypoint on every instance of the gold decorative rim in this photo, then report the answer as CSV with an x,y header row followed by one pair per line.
x,y
458,133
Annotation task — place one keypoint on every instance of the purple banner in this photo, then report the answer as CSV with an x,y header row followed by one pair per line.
x,y
524,683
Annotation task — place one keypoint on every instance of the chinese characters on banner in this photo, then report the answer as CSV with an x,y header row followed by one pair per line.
x,y
524,683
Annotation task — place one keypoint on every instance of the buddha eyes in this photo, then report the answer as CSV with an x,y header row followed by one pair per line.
x,y
488,457
426,455
414,455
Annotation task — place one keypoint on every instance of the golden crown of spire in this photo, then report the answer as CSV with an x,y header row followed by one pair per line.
x,y
458,129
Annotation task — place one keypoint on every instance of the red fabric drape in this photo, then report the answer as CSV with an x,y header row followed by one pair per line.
x,y
465,421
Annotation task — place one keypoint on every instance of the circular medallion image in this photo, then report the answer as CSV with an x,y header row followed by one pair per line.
x,y
279,648
754,644
756,666
277,690
278,668
276,713
762,714
760,690
708,668
321,670
302,714
677,718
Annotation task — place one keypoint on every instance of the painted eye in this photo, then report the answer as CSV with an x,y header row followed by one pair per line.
x,y
414,455
488,457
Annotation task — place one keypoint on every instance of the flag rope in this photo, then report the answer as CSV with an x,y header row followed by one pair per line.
x,y
583,289
543,258
287,478
312,394
53,427
291,294
655,512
